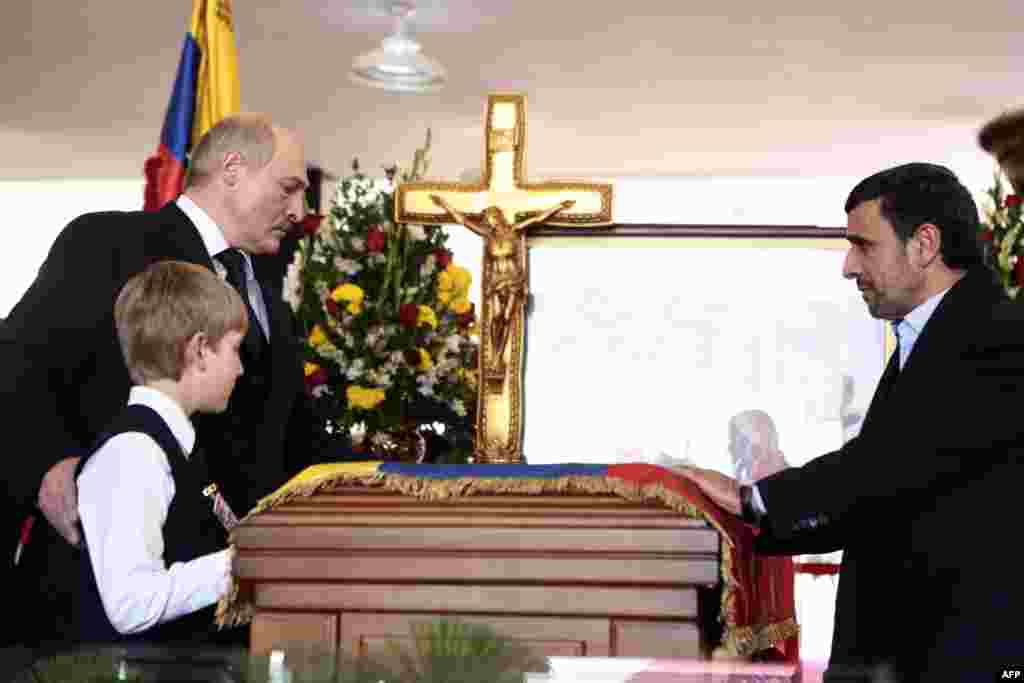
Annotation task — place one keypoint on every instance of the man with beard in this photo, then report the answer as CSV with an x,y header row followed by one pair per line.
x,y
929,587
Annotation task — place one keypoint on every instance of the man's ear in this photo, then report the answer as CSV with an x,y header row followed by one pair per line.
x,y
928,239
232,167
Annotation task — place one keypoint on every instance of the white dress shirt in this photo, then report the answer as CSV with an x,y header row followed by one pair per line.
x,y
124,492
908,330
213,240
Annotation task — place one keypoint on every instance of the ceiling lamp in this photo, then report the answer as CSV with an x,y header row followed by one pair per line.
x,y
397,65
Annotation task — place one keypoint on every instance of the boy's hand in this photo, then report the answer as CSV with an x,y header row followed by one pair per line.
x,y
58,499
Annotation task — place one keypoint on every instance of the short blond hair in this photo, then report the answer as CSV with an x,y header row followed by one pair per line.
x,y
251,135
160,309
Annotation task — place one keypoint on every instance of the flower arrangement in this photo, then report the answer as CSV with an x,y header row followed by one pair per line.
x,y
391,343
1003,233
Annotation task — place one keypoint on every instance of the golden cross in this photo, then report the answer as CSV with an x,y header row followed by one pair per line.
x,y
505,279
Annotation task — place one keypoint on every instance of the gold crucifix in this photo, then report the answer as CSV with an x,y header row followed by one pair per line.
x,y
499,209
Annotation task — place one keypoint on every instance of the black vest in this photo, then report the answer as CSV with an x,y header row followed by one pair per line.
x,y
190,531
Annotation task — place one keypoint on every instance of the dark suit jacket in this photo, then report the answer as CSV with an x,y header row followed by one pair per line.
x,y
919,501
62,376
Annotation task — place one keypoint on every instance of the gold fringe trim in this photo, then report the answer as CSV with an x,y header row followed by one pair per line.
x,y
746,640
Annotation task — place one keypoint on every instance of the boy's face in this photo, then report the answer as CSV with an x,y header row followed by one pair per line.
x,y
223,368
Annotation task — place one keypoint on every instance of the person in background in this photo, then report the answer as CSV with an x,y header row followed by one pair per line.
x,y
754,446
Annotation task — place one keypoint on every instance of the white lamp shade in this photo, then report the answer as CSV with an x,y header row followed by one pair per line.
x,y
399,66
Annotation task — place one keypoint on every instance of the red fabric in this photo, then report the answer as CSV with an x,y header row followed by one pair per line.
x,y
165,178
816,568
763,585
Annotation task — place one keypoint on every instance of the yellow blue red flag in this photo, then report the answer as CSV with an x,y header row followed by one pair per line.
x,y
205,91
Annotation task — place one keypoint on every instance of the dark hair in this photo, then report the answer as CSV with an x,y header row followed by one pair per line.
x,y
918,193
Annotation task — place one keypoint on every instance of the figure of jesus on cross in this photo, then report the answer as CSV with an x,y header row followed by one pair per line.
x,y
500,209
509,283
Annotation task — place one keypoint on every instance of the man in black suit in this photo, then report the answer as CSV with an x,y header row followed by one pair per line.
x,y
62,376
930,586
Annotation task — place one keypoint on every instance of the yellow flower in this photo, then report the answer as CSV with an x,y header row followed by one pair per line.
x,y
317,337
462,278
310,368
426,316
453,287
426,362
364,397
460,305
445,286
350,293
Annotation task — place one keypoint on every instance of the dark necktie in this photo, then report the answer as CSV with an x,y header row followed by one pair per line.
x,y
234,263
896,332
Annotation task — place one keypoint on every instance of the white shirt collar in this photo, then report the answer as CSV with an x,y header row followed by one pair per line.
x,y
919,317
172,413
211,233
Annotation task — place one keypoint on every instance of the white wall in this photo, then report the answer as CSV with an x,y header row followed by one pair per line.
x,y
35,211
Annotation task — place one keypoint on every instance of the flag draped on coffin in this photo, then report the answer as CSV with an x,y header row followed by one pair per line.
x,y
758,609
205,91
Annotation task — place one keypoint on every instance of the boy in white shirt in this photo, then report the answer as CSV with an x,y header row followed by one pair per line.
x,y
157,557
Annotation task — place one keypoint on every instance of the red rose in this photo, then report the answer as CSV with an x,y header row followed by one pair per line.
x,y
310,224
443,258
1012,200
408,314
466,319
314,380
1018,271
375,240
332,308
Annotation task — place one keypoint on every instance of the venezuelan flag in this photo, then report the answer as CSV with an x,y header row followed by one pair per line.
x,y
205,91
757,604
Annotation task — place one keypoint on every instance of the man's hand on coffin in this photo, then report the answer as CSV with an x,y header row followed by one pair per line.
x,y
58,499
723,490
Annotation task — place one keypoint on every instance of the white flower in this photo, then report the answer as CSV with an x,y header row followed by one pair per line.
x,y
452,343
358,244
347,266
429,264
293,282
379,378
397,358
321,390
373,335
459,407
416,232
318,255
356,370
427,381
357,433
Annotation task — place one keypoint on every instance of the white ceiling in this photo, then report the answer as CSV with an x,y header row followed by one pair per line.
x,y
649,87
